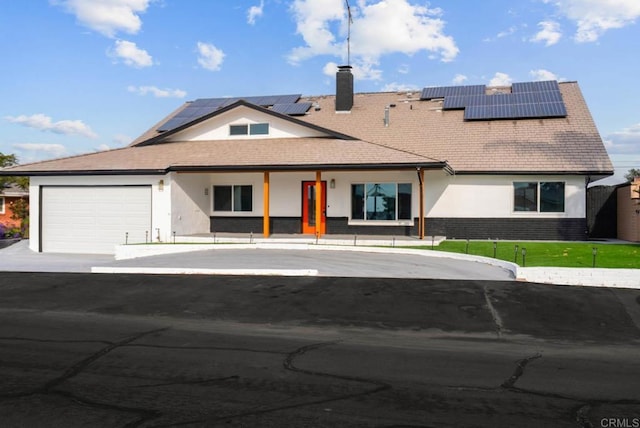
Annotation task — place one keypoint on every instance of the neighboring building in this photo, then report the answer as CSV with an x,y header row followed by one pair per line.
x,y
629,211
8,196
463,162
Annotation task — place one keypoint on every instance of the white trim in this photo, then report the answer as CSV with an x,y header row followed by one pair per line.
x,y
2,204
380,222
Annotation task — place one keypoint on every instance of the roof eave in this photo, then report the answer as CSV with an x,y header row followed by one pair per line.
x,y
311,167
59,173
538,172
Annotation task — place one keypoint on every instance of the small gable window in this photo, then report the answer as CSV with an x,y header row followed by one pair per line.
x,y
249,129
238,129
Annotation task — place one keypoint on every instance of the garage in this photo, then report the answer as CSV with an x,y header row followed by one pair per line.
x,y
93,219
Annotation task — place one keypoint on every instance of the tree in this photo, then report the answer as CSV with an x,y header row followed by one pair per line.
x,y
633,173
10,160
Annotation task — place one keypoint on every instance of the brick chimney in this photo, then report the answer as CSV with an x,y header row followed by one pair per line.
x,y
344,88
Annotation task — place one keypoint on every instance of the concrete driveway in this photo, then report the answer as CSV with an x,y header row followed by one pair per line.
x,y
19,258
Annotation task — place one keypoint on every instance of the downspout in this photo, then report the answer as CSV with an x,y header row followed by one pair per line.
x,y
420,173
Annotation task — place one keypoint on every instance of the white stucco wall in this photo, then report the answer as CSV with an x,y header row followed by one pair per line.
x,y
190,203
483,196
217,128
445,195
161,199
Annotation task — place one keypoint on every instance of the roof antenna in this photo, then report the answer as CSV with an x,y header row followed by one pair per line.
x,y
349,22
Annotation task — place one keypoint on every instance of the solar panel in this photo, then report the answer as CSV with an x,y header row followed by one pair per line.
x,y
455,102
292,109
552,109
525,110
548,85
204,106
451,91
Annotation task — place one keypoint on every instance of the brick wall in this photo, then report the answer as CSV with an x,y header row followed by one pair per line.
x,y
560,229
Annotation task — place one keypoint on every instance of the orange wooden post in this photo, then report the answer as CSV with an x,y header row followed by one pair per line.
x,y
318,203
265,215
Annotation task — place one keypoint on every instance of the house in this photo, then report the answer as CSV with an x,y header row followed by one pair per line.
x,y
464,162
628,200
8,197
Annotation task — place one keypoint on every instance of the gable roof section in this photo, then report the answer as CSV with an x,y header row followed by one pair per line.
x,y
161,137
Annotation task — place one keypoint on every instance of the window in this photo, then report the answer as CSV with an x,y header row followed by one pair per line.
x,y
250,129
232,198
259,129
1,205
381,201
545,197
238,129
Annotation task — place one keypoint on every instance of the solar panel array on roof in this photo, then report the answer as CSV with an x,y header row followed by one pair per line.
x,y
526,100
204,106
452,91
292,109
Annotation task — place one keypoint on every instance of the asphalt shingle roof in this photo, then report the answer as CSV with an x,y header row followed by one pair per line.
x,y
418,132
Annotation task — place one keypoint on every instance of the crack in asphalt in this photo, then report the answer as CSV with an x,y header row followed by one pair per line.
x,y
288,364
206,348
519,371
497,320
194,382
48,388
81,365
146,415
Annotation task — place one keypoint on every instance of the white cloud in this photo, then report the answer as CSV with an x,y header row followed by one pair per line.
x,y
501,79
41,150
399,87
131,54
459,79
107,17
625,141
511,30
595,17
549,33
157,92
211,57
255,12
380,28
103,148
360,70
542,74
403,69
44,123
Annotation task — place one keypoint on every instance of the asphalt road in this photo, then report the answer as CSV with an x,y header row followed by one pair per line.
x,y
154,351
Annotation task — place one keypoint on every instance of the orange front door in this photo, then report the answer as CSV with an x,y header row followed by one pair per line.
x,y
309,194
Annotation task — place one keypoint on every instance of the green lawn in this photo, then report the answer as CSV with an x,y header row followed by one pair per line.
x,y
559,254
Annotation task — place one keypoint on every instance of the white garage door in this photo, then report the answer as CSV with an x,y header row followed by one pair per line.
x,y
93,219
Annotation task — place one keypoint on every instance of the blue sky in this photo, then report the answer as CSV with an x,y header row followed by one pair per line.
x,y
84,75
